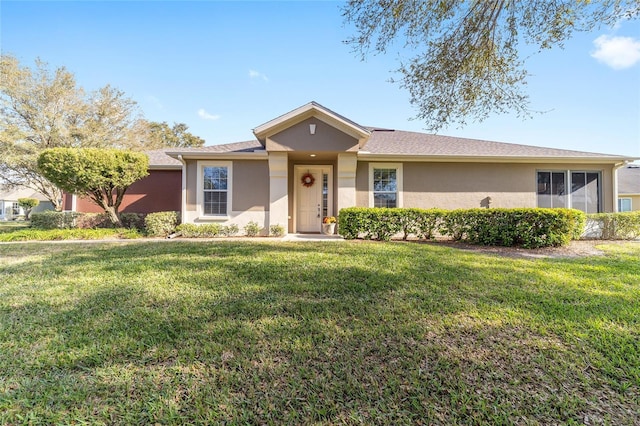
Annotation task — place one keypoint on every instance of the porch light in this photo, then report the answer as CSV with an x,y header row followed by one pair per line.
x,y
312,129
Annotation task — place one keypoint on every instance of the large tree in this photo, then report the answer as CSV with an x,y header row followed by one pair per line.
x,y
102,175
464,57
162,135
41,109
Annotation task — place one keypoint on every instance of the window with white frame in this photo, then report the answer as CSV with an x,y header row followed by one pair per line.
x,y
214,188
624,205
579,190
385,185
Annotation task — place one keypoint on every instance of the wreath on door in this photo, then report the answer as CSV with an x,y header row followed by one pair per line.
x,y
308,180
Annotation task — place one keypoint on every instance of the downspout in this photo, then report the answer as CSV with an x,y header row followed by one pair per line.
x,y
183,204
614,172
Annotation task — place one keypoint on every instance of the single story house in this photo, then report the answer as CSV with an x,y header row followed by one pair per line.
x,y
311,162
9,208
629,188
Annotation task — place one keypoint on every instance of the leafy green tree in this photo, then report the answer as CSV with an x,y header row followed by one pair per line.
x,y
27,205
162,135
466,61
102,175
42,109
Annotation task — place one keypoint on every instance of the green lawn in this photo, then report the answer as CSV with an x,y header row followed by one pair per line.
x,y
315,333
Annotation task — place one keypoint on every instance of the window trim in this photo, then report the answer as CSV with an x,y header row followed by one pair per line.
x,y
568,178
399,183
200,188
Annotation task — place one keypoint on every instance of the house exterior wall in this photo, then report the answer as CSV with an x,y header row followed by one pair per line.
x,y
467,185
159,191
298,138
249,194
250,185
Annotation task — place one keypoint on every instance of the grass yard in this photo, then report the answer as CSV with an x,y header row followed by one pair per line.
x,y
315,333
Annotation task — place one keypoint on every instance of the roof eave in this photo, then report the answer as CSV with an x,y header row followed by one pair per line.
x,y
259,155
491,159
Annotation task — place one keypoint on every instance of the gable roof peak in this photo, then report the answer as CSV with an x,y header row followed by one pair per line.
x,y
308,110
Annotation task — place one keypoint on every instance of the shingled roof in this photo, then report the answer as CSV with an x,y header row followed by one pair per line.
x,y
629,179
390,143
397,142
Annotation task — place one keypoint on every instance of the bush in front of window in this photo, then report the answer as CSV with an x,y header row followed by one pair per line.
x,y
527,227
191,230
161,224
615,226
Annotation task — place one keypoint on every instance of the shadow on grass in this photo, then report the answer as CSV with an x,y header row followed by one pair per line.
x,y
372,333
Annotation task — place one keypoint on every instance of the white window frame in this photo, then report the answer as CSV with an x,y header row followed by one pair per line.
x,y
568,174
200,188
399,178
630,204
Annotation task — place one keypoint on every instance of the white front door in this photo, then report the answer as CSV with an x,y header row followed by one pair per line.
x,y
309,200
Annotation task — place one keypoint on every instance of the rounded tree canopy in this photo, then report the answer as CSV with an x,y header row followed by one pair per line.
x,y
90,170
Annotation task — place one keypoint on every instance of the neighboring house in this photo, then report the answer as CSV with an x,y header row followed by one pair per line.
x,y
629,188
9,208
311,162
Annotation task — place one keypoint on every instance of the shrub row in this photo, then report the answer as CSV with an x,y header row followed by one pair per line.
x,y
210,230
529,228
67,220
614,226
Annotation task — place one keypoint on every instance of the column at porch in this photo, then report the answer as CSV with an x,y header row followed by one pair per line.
x,y
278,194
347,165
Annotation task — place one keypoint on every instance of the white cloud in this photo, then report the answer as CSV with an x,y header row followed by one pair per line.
x,y
205,115
617,52
257,74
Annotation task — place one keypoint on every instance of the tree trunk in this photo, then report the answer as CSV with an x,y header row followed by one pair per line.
x,y
113,216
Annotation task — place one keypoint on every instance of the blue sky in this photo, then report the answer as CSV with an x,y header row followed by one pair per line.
x,y
224,68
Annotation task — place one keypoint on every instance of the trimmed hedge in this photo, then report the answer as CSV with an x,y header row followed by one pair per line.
x,y
191,230
161,224
54,220
529,228
614,226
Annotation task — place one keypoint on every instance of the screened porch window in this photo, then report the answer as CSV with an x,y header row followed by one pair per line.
x,y
573,189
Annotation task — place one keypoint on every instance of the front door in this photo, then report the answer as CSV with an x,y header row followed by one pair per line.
x,y
313,197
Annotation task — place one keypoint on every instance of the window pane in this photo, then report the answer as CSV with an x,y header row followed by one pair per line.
x,y
592,192
385,188
215,190
215,202
624,204
384,200
558,190
544,189
578,191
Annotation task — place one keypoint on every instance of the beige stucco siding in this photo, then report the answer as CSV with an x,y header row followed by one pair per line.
x,y
250,185
298,138
467,185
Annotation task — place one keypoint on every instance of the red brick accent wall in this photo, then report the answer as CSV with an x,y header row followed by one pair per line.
x,y
160,191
